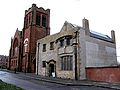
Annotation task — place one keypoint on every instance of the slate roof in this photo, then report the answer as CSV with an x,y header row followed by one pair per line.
x,y
100,36
96,34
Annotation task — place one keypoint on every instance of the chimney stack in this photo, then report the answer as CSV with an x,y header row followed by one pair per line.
x,y
113,36
85,25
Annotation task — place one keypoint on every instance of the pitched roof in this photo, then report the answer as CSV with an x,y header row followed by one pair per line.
x,y
100,36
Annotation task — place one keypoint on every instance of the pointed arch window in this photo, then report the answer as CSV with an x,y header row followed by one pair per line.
x,y
15,47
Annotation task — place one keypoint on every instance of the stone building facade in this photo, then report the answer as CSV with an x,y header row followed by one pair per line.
x,y
70,52
23,44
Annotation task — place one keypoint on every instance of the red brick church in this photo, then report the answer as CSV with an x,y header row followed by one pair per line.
x,y
23,44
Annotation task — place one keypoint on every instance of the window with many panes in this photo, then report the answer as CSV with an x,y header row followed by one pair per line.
x,y
44,47
66,62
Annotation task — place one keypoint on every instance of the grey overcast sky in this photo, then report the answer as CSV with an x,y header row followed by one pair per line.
x,y
103,16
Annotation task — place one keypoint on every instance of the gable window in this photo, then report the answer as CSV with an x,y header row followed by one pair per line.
x,y
38,18
66,62
44,47
68,41
15,47
51,45
44,21
61,42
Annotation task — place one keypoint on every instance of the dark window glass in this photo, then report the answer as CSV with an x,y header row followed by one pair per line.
x,y
65,62
43,63
44,47
71,63
38,20
44,21
51,45
68,41
62,43
62,65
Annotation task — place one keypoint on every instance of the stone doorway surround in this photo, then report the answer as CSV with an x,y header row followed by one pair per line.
x,y
51,68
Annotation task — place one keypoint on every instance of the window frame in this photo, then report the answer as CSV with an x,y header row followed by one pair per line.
x,y
51,45
38,19
44,20
61,42
44,47
43,64
68,41
67,63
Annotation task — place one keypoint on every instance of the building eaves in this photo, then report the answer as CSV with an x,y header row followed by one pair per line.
x,y
100,36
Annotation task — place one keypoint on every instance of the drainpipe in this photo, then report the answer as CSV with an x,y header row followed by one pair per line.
x,y
38,58
75,54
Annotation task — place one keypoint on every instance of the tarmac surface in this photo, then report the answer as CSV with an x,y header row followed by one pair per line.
x,y
40,82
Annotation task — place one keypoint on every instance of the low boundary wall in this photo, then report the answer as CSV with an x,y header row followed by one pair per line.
x,y
105,74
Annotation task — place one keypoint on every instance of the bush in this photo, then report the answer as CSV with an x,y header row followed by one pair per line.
x,y
5,86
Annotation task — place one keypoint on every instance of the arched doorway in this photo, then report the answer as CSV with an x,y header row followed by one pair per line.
x,y
52,68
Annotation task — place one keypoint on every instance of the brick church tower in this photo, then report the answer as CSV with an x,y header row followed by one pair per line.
x,y
36,26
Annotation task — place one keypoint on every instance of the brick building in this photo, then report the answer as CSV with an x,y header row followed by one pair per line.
x,y
23,44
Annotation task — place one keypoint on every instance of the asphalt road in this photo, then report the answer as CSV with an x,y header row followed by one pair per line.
x,y
30,84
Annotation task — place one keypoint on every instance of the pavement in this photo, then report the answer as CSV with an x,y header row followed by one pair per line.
x,y
68,82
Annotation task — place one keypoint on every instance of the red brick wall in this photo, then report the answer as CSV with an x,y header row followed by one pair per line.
x,y
106,74
33,33
15,60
